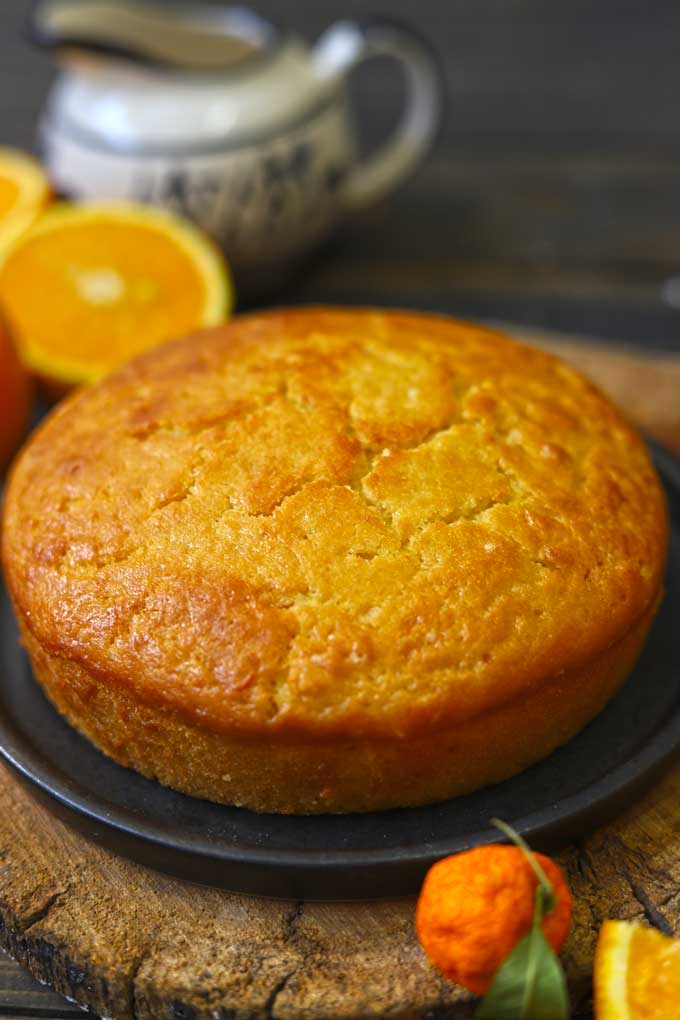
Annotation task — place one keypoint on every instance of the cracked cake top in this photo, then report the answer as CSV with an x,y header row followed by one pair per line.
x,y
334,522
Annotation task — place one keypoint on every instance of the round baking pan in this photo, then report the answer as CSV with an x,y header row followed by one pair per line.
x,y
579,787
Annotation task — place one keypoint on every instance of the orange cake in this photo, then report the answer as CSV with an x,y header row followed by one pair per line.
x,y
334,560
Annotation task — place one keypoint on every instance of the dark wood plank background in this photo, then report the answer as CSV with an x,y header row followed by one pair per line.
x,y
552,197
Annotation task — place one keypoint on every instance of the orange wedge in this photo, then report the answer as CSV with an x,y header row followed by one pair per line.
x,y
24,192
90,286
637,973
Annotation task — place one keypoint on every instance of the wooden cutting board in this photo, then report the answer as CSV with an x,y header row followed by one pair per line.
x,y
129,943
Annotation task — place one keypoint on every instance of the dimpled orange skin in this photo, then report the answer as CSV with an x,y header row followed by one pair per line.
x,y
15,397
475,907
334,560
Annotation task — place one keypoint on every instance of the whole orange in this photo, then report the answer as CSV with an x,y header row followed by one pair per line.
x,y
15,397
475,907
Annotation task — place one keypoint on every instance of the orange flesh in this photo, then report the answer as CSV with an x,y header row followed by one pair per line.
x,y
653,980
9,192
106,292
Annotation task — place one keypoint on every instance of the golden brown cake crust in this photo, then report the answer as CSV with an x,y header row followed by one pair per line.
x,y
334,525
307,777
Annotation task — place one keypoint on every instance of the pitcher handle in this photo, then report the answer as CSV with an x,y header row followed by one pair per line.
x,y
348,43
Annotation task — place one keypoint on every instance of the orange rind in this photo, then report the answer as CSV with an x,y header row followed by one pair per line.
x,y
24,192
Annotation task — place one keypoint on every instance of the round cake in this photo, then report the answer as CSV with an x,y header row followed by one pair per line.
x,y
334,560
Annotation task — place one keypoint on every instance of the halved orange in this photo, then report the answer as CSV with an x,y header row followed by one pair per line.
x,y
637,973
24,192
90,286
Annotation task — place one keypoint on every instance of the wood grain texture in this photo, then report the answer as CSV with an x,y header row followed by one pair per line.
x,y
130,943
22,995
569,240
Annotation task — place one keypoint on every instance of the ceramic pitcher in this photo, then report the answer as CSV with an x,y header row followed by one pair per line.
x,y
218,114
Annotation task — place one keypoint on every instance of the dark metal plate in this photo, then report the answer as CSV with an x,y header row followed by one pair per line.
x,y
579,787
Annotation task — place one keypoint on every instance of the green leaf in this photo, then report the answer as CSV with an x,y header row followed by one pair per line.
x,y
530,984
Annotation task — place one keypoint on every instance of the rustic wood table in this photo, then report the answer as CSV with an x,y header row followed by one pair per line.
x,y
552,200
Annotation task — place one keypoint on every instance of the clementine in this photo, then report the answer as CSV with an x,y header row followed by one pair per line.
x,y
475,907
